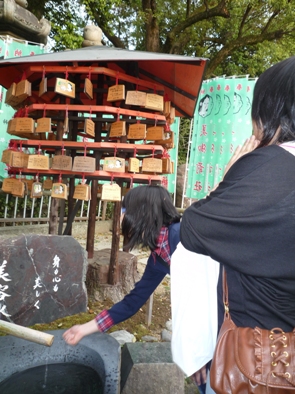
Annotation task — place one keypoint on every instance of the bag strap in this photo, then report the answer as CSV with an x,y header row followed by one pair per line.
x,y
225,293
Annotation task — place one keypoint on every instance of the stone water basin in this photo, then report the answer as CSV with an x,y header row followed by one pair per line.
x,y
27,367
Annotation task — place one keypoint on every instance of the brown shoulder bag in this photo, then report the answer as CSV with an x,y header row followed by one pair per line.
x,y
255,361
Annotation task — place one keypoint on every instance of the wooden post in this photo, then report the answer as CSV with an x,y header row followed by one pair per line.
x,y
53,218
114,259
39,337
94,183
149,310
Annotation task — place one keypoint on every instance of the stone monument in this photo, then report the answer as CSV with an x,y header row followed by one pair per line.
x,y
16,21
92,36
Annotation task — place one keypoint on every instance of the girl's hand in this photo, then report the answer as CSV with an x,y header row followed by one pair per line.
x,y
200,376
249,145
74,334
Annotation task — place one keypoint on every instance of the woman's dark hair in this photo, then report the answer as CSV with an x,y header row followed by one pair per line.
x,y
147,209
273,105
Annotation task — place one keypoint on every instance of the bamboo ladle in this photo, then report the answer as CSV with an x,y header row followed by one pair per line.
x,y
26,333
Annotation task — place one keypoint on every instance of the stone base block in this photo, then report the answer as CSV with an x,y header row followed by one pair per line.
x,y
147,368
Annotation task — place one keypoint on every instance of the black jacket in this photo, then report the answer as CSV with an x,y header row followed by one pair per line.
x,y
248,224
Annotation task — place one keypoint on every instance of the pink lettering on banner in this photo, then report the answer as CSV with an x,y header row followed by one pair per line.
x,y
32,53
227,88
199,168
212,148
239,87
1,50
248,88
204,130
18,52
218,87
198,186
211,89
210,169
1,97
202,148
202,91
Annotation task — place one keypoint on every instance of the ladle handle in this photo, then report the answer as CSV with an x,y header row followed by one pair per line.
x,y
29,334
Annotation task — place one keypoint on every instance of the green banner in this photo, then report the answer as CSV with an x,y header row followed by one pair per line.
x,y
10,47
222,121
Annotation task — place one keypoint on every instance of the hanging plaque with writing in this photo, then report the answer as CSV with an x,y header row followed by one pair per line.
x,y
135,97
116,93
84,164
38,162
61,162
137,131
111,192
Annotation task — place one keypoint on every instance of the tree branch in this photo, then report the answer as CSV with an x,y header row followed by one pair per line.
x,y
245,16
219,10
224,52
269,21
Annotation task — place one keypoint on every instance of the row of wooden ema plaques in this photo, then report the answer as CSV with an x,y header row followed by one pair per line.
x,y
132,168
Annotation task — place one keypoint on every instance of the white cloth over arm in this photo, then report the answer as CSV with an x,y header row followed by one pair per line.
x,y
194,280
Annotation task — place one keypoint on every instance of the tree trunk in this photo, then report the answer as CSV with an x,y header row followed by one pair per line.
x,y
152,43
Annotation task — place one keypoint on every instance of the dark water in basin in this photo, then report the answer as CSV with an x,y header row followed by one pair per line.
x,y
54,379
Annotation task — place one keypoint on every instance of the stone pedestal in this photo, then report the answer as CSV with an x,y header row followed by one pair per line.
x,y
147,368
98,271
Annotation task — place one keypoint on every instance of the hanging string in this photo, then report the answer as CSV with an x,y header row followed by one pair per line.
x,y
63,149
60,178
118,115
85,146
134,152
153,153
131,182
112,178
166,154
115,151
83,179
89,73
156,120
44,111
43,74
150,180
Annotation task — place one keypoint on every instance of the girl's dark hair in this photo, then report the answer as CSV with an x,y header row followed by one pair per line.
x,y
273,104
147,209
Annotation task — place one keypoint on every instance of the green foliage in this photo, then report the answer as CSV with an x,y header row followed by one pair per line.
x,y
183,143
237,36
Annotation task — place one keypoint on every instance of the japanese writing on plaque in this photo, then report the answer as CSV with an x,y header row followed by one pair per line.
x,y
37,286
57,277
4,278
